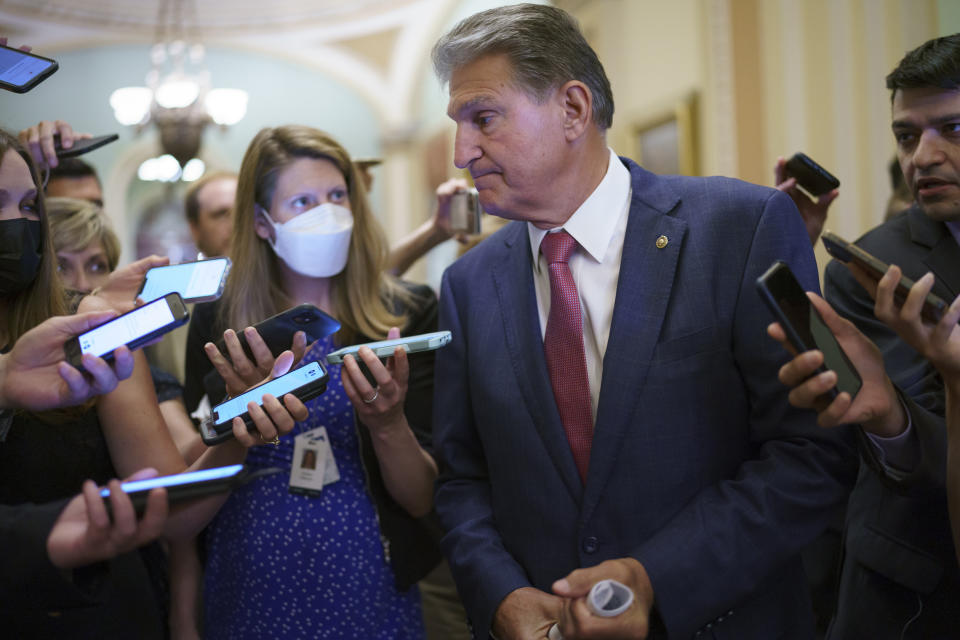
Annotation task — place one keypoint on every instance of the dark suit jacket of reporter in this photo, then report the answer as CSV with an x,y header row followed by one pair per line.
x,y
898,549
699,468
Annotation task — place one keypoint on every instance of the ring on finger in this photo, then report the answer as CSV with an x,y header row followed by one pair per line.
x,y
376,394
274,441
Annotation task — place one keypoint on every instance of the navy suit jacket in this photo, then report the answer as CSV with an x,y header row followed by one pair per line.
x,y
699,468
898,548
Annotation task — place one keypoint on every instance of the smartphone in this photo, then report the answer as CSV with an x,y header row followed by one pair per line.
x,y
804,326
384,348
134,329
21,71
189,485
810,175
933,307
465,212
277,331
306,382
198,281
83,146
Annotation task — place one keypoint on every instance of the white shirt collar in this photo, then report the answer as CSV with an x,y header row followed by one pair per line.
x,y
592,225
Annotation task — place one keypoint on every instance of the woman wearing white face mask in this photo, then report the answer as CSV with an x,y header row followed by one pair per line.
x,y
343,563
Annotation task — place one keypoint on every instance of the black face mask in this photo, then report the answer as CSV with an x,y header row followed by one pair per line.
x,y
20,254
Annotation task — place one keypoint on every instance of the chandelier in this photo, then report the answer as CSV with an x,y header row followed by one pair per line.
x,y
178,98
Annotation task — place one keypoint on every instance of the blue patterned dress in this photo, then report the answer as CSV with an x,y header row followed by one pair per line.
x,y
281,565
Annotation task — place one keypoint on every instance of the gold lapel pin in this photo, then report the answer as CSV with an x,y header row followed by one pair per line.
x,y
662,242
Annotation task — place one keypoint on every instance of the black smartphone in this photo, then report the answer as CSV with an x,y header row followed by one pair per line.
x,y
933,307
198,281
21,71
83,146
134,329
306,382
277,331
188,486
804,326
810,175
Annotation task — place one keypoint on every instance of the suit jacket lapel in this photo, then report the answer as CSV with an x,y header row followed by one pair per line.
x,y
944,256
643,292
513,280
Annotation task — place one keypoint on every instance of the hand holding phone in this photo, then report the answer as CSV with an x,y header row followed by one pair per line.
x,y
277,331
199,281
804,327
465,212
811,176
384,348
305,383
81,146
133,329
933,306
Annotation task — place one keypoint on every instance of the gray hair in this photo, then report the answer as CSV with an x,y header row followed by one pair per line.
x,y
544,45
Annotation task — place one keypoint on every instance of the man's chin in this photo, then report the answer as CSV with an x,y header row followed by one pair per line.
x,y
942,211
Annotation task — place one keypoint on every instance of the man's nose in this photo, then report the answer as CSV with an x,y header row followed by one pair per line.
x,y
929,151
465,148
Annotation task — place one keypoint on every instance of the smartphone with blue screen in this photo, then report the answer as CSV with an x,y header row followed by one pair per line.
x,y
199,281
21,71
306,382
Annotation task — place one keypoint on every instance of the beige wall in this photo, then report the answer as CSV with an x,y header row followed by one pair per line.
x,y
771,77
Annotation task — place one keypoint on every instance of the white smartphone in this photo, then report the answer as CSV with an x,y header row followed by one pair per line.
x,y
133,329
21,71
305,383
465,212
198,281
384,348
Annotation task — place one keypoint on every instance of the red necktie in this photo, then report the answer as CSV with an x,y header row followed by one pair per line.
x,y
563,346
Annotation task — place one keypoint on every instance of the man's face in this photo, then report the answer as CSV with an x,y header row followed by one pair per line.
x,y
926,125
211,232
82,188
512,146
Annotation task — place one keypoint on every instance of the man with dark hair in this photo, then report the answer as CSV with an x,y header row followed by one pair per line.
x,y
74,178
209,207
607,407
899,577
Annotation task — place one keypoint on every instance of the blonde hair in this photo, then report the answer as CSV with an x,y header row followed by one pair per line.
x,y
44,297
76,224
364,296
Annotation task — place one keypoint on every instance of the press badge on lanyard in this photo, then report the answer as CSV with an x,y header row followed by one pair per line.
x,y
313,464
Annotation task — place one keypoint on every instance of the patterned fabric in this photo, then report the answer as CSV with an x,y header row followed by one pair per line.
x,y
563,345
282,565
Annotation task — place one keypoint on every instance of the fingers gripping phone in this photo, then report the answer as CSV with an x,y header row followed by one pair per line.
x,y
933,306
384,348
306,383
198,281
810,175
277,331
133,329
21,71
804,326
188,486
83,145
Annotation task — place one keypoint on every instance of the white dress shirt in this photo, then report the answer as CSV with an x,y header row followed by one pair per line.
x,y
598,226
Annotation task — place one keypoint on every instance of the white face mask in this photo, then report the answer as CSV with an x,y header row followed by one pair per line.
x,y
316,242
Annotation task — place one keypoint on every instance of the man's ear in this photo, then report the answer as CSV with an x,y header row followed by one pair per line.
x,y
577,103
260,223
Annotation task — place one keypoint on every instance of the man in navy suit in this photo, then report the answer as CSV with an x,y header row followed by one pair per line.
x,y
609,405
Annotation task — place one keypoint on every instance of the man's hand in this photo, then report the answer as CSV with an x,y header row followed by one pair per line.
x,y
84,533
814,214
38,140
526,614
577,622
35,376
939,343
876,408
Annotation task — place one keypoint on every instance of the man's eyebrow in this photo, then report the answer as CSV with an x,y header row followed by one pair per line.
x,y
950,117
469,105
